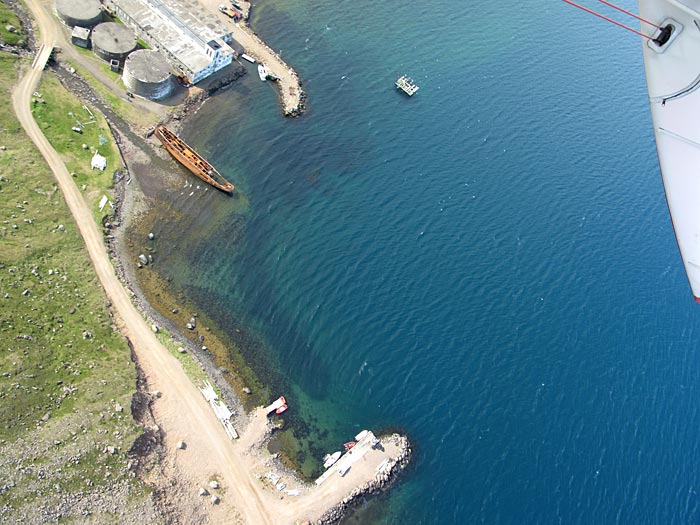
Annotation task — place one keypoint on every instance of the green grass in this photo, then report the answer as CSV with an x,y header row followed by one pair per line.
x,y
63,367
192,368
104,66
57,111
126,110
8,17
142,43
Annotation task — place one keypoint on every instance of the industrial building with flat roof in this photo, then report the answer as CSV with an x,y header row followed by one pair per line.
x,y
196,44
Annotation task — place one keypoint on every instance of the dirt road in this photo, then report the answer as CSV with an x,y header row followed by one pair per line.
x,y
182,412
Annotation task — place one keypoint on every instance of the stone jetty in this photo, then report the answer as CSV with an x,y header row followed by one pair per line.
x,y
383,480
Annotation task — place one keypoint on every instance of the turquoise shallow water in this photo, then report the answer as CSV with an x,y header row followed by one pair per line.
x,y
489,266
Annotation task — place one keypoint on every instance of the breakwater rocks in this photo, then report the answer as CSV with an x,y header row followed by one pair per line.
x,y
226,80
301,107
382,481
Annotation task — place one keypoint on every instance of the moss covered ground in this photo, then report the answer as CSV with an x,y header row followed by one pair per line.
x,y
9,18
59,114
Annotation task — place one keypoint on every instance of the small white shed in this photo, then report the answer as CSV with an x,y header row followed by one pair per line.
x,y
99,162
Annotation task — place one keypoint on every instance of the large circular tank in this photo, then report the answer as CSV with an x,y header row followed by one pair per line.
x,y
112,41
147,74
83,13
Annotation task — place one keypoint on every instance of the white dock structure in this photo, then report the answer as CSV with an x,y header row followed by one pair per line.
x,y
276,404
355,454
407,85
220,409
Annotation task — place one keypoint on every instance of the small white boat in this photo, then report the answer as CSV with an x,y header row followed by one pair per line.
x,y
262,72
248,58
330,459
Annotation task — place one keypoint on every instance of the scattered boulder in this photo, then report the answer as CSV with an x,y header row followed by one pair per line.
x,y
143,259
118,408
154,328
151,236
181,445
111,450
247,390
215,499
203,491
61,228
157,394
181,350
214,484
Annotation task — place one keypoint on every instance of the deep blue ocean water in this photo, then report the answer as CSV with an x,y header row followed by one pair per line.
x,y
488,266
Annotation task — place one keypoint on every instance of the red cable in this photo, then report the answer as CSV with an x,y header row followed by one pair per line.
x,y
607,19
628,13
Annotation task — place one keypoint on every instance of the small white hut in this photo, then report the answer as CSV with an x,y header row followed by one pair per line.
x,y
99,162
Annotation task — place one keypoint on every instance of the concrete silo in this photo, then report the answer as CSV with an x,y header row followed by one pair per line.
x,y
83,13
148,74
112,41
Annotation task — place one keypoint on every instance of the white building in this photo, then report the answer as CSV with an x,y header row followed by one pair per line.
x,y
196,44
98,162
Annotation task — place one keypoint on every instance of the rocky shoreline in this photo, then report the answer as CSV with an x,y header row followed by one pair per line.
x,y
382,482
127,139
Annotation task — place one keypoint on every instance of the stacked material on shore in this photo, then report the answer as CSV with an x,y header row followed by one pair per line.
x,y
221,411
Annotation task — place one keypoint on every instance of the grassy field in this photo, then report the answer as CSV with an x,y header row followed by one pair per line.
x,y
121,107
8,17
66,377
58,111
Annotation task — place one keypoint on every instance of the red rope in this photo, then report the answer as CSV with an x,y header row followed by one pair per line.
x,y
607,19
628,13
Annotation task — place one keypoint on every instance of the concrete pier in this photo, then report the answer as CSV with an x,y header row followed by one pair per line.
x,y
288,82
